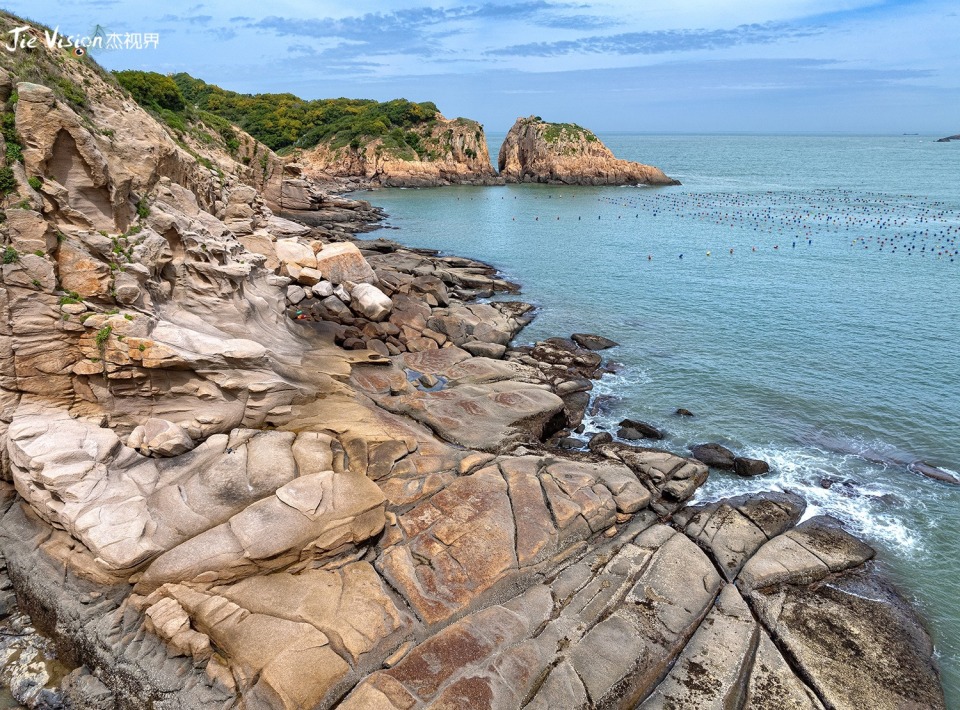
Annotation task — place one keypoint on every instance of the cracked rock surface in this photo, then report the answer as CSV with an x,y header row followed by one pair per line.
x,y
222,491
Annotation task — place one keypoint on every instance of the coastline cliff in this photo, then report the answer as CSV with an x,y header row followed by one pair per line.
x,y
565,153
437,152
252,463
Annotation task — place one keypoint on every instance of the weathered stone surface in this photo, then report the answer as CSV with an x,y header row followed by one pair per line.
x,y
343,262
461,157
228,490
310,517
369,301
858,642
713,667
291,251
537,151
731,531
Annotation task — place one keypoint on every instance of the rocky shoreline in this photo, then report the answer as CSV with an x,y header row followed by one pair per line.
x,y
250,462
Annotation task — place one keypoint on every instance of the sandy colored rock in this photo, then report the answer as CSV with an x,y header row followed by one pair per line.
x,y
343,262
537,151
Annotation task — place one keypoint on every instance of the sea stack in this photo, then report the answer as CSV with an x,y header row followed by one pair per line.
x,y
565,153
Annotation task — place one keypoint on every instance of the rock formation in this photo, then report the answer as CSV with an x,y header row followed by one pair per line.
x,y
568,154
947,139
451,152
250,464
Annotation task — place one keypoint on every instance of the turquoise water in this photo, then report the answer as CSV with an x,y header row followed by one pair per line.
x,y
839,347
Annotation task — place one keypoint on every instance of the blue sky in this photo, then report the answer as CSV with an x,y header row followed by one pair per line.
x,y
686,65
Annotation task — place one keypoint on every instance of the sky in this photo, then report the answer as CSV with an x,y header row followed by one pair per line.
x,y
697,66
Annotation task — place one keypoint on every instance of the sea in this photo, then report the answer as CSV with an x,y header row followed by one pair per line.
x,y
800,294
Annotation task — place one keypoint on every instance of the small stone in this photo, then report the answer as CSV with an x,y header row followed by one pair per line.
x,y
429,381
322,289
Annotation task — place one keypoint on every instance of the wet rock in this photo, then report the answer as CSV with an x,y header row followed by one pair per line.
x,y
933,472
603,437
593,342
633,429
681,412
750,467
714,455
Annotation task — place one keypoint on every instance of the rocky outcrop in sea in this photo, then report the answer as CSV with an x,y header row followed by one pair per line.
x,y
249,462
565,153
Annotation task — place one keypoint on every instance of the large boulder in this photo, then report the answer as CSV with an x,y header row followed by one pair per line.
x,y
714,455
291,251
370,302
342,262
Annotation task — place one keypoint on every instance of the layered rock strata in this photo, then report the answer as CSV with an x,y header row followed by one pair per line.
x,y
567,154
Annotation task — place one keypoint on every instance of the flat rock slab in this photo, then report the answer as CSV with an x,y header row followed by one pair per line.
x,y
487,417
858,642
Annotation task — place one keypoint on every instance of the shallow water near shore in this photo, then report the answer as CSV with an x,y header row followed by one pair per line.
x,y
813,320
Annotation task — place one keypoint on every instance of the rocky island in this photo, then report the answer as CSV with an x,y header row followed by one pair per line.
x,y
567,154
948,139
249,462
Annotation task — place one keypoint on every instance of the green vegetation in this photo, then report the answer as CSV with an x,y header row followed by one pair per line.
x,y
285,121
10,255
35,182
567,131
152,90
282,122
143,208
102,336
8,183
41,66
8,126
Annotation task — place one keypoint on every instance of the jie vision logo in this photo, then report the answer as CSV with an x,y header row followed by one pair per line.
x,y
28,38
